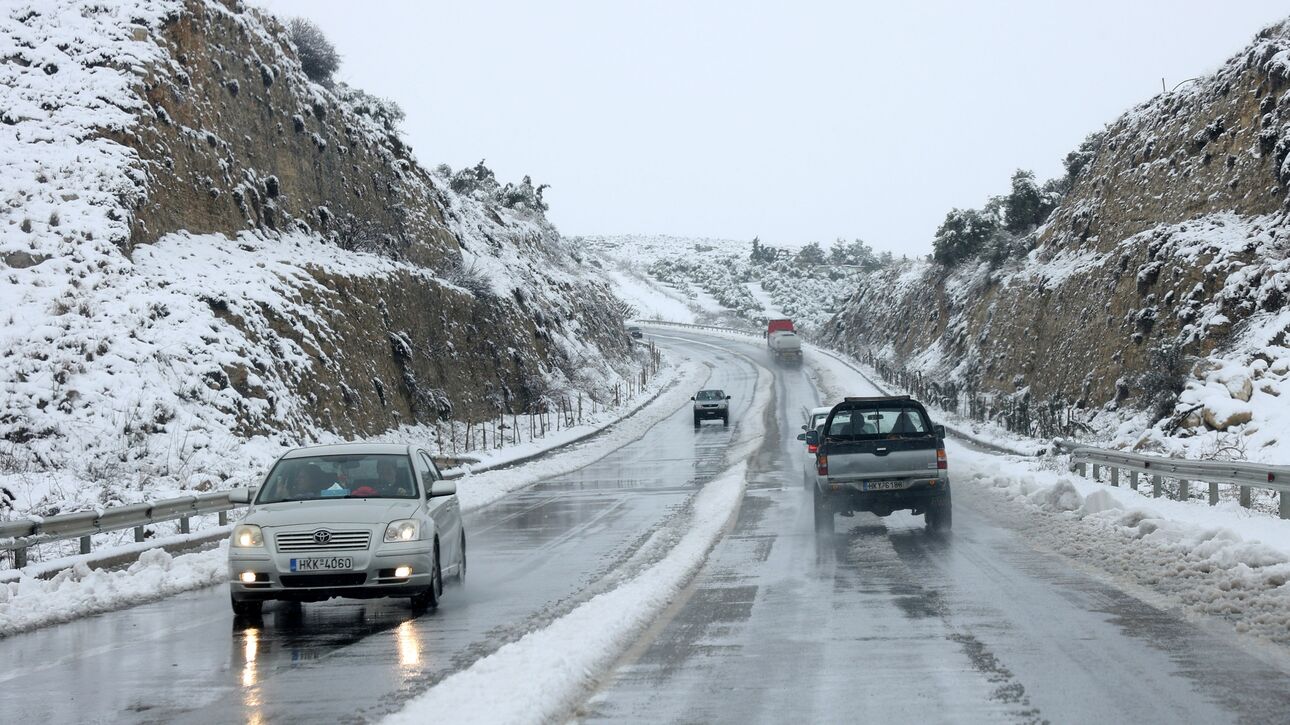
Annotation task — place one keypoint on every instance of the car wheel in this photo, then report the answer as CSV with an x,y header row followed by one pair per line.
x,y
429,599
940,515
696,421
823,514
246,608
725,420
461,563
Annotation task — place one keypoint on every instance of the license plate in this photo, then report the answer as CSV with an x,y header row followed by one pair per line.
x,y
332,563
883,485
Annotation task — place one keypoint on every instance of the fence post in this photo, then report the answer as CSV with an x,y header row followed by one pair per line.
x,y
1213,493
85,544
1184,489
1115,476
1156,490
1245,496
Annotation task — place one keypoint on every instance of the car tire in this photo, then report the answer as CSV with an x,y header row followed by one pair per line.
x,y
823,514
939,515
246,608
696,422
725,421
429,599
461,563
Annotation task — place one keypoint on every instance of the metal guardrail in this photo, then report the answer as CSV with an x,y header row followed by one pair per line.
x,y
718,328
1087,460
19,536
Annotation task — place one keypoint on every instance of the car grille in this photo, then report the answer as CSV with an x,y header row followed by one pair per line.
x,y
323,580
339,541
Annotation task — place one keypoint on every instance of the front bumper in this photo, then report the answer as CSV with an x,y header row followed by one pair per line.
x,y
710,413
371,575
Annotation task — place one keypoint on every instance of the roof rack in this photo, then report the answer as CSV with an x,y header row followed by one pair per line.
x,y
854,399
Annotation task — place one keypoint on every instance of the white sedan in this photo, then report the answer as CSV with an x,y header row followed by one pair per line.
x,y
352,520
814,419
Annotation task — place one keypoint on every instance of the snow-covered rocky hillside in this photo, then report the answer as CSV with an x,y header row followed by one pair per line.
x,y
206,256
1152,297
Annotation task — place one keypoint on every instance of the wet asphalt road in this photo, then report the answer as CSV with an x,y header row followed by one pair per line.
x,y
879,622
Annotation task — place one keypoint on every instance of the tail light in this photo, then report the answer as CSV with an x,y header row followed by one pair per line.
x,y
813,448
940,459
822,465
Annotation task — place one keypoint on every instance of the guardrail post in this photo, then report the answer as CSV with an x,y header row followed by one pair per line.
x,y
223,518
1156,490
85,544
1184,489
1115,476
1245,496
1285,504
138,534
1133,480
1096,470
1081,468
1213,493
20,557
183,525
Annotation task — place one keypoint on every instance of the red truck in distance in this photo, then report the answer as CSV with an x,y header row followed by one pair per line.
x,y
781,325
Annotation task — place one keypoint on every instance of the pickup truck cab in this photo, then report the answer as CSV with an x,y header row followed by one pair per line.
x,y
880,455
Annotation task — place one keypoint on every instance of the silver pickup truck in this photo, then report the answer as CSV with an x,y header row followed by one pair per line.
x,y
880,455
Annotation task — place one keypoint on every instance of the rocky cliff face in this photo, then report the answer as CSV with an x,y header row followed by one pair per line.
x,y
1174,234
202,246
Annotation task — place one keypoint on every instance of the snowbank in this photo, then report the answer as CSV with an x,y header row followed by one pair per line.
x,y
1221,561
82,591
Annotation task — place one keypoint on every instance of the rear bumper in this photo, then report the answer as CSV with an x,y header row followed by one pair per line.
x,y
845,498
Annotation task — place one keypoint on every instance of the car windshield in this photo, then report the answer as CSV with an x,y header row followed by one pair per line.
x,y
818,419
878,421
331,477
710,395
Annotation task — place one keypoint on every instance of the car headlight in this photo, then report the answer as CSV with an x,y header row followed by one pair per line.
x,y
247,536
403,530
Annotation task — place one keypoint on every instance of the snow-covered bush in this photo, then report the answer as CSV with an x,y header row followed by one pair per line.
x,y
318,57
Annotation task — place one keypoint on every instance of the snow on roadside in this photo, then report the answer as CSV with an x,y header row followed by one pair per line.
x,y
82,591
478,490
549,671
1222,561
650,300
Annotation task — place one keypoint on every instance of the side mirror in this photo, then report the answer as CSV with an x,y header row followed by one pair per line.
x,y
691,397
805,427
801,436
812,437
939,430
241,495
442,488
727,397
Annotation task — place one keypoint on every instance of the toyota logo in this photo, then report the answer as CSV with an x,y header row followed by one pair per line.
x,y
322,537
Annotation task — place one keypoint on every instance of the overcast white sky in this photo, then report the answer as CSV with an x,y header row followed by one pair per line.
x,y
795,121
